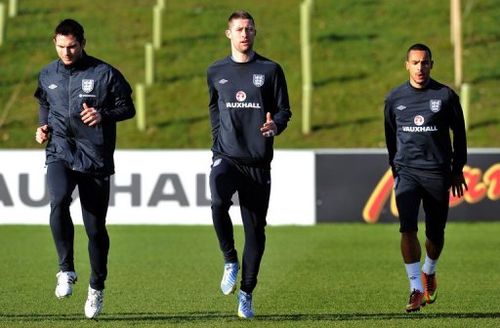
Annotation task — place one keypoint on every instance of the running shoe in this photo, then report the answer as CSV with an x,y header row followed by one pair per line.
x,y
430,287
416,301
65,282
94,303
228,282
245,308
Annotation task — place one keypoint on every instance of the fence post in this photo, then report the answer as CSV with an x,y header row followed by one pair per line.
x,y
140,106
2,23
305,35
149,65
157,22
12,8
457,38
452,22
465,102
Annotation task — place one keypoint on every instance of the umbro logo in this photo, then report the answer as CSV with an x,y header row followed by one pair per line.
x,y
401,107
223,81
52,86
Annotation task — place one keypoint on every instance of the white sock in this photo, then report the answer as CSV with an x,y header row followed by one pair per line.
x,y
413,272
429,266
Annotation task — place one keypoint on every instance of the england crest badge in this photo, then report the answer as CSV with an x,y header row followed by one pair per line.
x,y
435,105
258,80
87,85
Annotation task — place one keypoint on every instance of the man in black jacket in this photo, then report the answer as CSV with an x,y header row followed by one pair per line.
x,y
425,164
81,98
248,107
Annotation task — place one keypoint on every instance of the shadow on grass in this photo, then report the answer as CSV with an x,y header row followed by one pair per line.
x,y
484,124
186,120
333,37
208,316
359,121
486,78
340,79
178,78
195,38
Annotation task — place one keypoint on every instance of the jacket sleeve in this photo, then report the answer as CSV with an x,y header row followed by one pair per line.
x,y
121,106
457,125
390,134
43,110
213,107
282,103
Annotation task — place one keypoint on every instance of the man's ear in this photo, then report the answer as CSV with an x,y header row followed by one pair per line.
x,y
228,33
84,41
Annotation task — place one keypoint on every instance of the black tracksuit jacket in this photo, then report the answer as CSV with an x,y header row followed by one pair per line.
x,y
240,96
417,128
61,93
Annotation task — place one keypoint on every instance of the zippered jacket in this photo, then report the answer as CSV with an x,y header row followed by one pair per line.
x,y
61,93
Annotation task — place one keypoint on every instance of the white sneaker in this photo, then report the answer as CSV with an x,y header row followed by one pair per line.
x,y
94,303
228,282
65,282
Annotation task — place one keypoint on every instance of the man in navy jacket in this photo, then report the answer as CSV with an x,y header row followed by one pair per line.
x,y
419,115
248,107
81,98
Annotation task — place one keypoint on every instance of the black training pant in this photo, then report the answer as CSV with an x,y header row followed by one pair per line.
x,y
253,186
431,188
94,198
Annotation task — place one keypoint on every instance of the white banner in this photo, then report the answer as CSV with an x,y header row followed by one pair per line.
x,y
156,187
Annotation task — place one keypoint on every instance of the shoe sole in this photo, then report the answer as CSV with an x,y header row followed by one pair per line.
x,y
231,291
243,317
415,309
431,300
94,317
63,296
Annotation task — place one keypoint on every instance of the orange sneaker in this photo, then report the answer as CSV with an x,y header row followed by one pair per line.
x,y
430,287
416,301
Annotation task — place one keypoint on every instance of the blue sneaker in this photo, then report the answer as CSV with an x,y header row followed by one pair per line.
x,y
228,282
245,308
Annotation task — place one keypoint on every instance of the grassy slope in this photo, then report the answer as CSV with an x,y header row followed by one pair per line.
x,y
344,275
358,57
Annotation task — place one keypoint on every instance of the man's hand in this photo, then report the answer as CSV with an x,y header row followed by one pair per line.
x,y
457,184
90,115
42,134
269,129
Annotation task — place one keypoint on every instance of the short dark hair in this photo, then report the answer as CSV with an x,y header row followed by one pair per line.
x,y
70,27
240,14
419,46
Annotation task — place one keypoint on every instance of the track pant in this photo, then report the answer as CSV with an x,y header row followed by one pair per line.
x,y
94,199
253,186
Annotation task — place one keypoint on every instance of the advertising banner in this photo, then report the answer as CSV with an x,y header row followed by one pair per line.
x,y
357,185
172,187
156,187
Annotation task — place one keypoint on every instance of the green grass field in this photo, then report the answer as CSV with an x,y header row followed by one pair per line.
x,y
358,50
332,275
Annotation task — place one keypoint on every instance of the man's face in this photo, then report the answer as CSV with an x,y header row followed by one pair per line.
x,y
419,66
68,48
242,33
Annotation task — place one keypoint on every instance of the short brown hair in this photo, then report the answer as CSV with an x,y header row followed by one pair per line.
x,y
240,14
